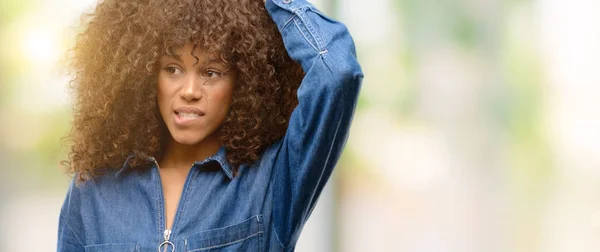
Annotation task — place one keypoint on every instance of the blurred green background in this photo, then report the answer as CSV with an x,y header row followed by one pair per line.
x,y
477,128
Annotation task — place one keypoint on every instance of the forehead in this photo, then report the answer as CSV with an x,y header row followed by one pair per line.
x,y
190,51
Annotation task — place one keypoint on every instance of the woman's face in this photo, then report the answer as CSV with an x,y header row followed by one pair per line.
x,y
194,95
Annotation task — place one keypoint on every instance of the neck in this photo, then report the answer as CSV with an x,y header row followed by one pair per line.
x,y
182,156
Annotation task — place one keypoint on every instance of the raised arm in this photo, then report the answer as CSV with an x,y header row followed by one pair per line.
x,y
319,126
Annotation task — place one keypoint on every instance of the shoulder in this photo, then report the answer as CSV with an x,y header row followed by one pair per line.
x,y
270,154
100,186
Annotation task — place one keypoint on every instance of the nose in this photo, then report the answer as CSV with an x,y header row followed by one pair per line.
x,y
191,90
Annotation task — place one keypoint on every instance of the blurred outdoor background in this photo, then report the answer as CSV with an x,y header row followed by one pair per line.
x,y
478,127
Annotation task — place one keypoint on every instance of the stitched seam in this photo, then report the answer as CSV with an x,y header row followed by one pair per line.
x,y
288,22
224,167
277,152
160,206
312,31
260,229
304,35
113,244
277,237
183,200
335,135
242,222
125,165
299,8
227,244
71,229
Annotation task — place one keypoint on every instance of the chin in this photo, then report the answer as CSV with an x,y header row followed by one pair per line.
x,y
188,139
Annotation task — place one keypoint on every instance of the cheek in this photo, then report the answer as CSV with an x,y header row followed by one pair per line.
x,y
162,92
161,86
163,101
222,99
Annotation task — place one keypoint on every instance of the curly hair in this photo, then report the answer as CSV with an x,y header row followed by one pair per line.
x,y
115,65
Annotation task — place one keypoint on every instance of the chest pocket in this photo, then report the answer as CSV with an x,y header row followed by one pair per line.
x,y
244,236
108,247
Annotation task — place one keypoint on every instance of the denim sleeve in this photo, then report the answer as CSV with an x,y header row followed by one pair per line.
x,y
68,239
319,125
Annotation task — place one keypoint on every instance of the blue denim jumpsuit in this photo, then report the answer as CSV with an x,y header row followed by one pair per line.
x,y
262,208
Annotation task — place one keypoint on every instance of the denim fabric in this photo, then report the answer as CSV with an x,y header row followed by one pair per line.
x,y
262,208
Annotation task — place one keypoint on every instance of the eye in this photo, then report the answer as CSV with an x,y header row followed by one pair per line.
x,y
213,74
173,70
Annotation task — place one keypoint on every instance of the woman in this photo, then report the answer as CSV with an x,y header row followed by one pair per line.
x,y
204,125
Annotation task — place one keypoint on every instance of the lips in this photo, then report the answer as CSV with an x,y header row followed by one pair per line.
x,y
189,111
187,115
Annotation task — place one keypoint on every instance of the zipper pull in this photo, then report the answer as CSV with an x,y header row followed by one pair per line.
x,y
166,243
167,234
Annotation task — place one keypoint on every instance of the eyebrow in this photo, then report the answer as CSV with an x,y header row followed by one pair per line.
x,y
208,61
175,57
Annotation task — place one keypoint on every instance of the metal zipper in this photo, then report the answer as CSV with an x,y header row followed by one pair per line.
x,y
166,243
167,233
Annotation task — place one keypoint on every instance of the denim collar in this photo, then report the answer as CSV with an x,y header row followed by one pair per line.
x,y
219,157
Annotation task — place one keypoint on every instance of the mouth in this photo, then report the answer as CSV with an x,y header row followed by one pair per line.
x,y
187,116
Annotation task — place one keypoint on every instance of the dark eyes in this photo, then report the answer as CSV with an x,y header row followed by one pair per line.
x,y
206,74
173,70
212,74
